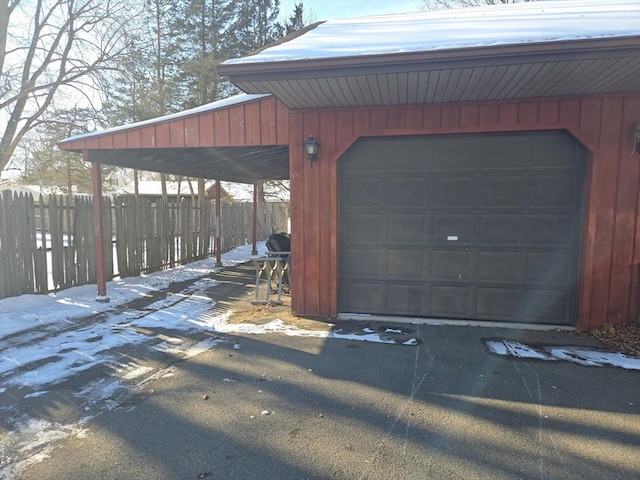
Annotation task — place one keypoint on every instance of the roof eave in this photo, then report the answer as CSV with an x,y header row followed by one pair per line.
x,y
309,67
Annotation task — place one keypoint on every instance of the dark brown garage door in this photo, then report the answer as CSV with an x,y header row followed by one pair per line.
x,y
474,226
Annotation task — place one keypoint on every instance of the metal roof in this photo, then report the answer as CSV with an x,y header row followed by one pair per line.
x,y
502,52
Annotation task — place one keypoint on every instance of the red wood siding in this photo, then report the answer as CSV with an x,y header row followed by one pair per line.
x,y
610,262
259,122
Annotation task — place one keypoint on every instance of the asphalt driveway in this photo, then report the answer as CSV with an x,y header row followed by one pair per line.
x,y
435,403
446,408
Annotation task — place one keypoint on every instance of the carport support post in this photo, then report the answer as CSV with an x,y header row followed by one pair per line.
x,y
98,228
218,244
254,251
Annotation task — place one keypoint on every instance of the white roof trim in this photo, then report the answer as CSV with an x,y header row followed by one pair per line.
x,y
496,25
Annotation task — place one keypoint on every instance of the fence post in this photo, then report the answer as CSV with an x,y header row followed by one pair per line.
x,y
254,250
217,227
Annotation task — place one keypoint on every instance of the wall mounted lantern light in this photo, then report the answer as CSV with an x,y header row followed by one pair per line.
x,y
311,149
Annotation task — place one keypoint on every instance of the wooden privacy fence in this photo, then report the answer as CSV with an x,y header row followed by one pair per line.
x,y
39,253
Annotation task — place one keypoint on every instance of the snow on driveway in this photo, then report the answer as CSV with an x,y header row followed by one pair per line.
x,y
46,340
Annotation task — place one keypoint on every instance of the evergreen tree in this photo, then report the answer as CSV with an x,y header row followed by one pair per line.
x,y
206,38
258,25
295,21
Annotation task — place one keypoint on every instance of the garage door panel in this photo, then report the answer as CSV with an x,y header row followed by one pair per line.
x,y
498,266
552,230
503,191
366,262
450,264
409,229
451,192
407,263
565,151
557,191
372,156
549,267
501,229
361,190
451,301
407,299
406,192
452,229
546,306
497,303
408,161
366,228
479,226
366,298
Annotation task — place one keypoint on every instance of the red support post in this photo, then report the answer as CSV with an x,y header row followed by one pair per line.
x,y
98,228
254,251
218,228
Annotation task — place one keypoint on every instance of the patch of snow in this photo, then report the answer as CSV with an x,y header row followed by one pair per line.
x,y
495,25
30,311
33,440
580,355
36,394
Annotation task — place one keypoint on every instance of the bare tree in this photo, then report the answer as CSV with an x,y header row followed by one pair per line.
x,y
443,4
49,48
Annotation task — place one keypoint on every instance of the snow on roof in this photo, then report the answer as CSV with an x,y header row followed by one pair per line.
x,y
226,102
495,25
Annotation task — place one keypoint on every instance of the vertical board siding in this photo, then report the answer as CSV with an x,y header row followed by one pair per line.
x,y
281,123
134,139
252,123
221,128
610,270
626,218
298,238
191,132
237,126
260,122
268,119
606,176
176,129
163,135
205,129
327,134
312,226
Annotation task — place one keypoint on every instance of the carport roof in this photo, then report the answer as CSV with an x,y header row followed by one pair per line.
x,y
239,139
498,52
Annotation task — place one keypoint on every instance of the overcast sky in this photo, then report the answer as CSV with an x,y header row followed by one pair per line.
x,y
329,9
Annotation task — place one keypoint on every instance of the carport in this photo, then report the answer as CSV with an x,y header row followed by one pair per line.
x,y
240,139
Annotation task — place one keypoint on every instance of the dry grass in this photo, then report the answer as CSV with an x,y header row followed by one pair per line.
x,y
623,338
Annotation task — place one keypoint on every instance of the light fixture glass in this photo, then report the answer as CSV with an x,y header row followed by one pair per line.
x,y
311,149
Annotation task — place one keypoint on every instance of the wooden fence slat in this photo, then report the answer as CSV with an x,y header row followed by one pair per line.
x,y
4,279
42,279
148,237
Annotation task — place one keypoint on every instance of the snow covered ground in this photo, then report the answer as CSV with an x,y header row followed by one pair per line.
x,y
47,343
